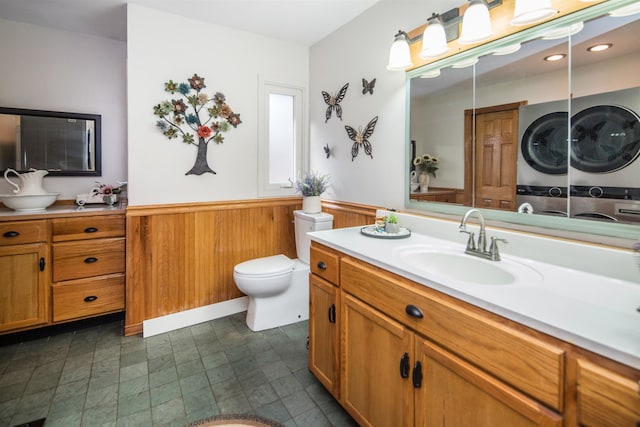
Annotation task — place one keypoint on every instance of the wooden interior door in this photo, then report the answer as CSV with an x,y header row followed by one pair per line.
x,y
491,155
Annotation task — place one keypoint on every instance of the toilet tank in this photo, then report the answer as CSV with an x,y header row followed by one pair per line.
x,y
306,222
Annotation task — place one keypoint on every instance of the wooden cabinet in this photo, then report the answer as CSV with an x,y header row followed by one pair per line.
x,y
58,269
88,266
606,398
412,356
24,277
324,317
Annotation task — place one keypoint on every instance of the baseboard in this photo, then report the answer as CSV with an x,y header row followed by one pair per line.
x,y
194,316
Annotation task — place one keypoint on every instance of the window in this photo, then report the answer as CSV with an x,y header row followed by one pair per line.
x,y
280,149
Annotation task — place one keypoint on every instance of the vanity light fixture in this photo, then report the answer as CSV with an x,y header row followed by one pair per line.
x,y
431,74
476,23
531,11
466,63
555,57
600,47
434,39
399,54
563,32
626,10
512,48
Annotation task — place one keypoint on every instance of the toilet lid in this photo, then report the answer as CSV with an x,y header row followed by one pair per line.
x,y
264,267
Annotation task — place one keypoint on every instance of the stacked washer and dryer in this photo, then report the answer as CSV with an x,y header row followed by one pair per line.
x,y
598,176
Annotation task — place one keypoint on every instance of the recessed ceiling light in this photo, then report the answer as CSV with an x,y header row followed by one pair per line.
x,y
555,57
600,47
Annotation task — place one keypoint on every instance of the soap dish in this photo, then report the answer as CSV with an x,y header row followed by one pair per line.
x,y
372,231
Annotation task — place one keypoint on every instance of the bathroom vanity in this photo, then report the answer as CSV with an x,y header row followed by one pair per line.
x,y
60,264
398,344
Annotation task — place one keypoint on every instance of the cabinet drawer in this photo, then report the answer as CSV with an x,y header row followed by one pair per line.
x,y
19,232
325,263
88,297
606,398
527,363
74,260
87,227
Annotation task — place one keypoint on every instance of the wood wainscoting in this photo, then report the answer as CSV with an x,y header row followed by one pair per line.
x,y
181,256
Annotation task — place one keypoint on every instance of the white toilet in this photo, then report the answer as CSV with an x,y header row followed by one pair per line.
x,y
277,286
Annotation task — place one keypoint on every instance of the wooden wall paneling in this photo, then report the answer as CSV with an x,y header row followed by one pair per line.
x,y
181,257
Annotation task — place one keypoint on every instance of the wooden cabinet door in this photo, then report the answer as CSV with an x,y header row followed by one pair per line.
x,y
456,393
323,333
24,300
372,388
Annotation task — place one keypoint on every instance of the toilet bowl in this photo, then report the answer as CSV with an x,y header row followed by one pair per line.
x,y
277,286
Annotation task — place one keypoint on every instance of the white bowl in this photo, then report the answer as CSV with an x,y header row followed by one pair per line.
x,y
27,203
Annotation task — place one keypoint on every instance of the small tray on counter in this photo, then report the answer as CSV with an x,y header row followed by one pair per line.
x,y
372,231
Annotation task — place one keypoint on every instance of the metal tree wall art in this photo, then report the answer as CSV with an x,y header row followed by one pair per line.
x,y
333,102
203,117
361,137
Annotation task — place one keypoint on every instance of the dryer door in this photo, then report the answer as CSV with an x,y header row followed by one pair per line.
x,y
544,143
604,138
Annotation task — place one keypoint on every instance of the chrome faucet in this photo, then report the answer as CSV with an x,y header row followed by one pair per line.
x,y
480,249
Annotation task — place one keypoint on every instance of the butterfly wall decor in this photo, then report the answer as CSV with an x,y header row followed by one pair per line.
x,y
368,86
333,102
327,150
361,137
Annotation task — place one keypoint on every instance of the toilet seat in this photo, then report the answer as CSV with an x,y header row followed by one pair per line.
x,y
271,266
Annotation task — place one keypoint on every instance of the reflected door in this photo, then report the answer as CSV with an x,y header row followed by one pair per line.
x,y
496,155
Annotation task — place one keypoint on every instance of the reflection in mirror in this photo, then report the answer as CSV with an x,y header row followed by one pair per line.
x,y
533,166
604,173
65,144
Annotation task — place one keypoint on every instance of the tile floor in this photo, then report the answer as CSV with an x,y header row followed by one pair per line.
x,y
97,377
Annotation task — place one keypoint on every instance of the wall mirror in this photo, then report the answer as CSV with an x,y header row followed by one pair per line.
x,y
516,134
65,144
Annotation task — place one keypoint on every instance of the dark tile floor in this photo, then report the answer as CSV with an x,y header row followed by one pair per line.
x,y
97,377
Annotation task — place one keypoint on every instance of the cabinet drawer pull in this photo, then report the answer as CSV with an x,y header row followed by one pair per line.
x,y
332,313
11,234
414,311
90,230
90,260
417,375
41,264
404,366
90,298
322,265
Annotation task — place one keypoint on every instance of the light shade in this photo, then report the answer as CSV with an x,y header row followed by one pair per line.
x,y
434,39
476,23
626,10
399,54
529,11
563,32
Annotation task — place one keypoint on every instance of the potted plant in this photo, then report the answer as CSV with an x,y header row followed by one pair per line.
x,y
426,165
391,225
311,186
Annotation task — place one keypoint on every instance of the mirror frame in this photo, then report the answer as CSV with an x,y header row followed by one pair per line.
x,y
627,231
64,115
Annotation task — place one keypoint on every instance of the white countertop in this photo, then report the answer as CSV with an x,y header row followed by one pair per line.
x,y
61,210
596,312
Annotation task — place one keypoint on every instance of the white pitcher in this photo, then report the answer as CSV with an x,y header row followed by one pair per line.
x,y
30,182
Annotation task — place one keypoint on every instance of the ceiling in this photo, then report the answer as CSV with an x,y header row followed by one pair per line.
x,y
300,21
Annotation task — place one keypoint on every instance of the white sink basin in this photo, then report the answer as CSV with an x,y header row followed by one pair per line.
x,y
448,265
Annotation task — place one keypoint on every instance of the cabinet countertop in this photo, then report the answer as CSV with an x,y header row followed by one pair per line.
x,y
60,211
595,312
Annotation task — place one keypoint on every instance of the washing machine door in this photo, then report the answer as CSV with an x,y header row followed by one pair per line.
x,y
604,138
544,143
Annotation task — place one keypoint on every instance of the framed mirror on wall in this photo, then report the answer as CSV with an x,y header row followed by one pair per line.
x,y
517,135
65,144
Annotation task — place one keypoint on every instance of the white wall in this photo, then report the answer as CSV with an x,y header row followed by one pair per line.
x,y
360,50
44,69
163,47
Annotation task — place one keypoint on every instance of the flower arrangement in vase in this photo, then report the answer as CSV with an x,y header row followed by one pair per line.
x,y
108,192
426,165
311,186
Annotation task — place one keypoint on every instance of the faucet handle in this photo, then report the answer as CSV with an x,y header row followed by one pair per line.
x,y
471,243
493,249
